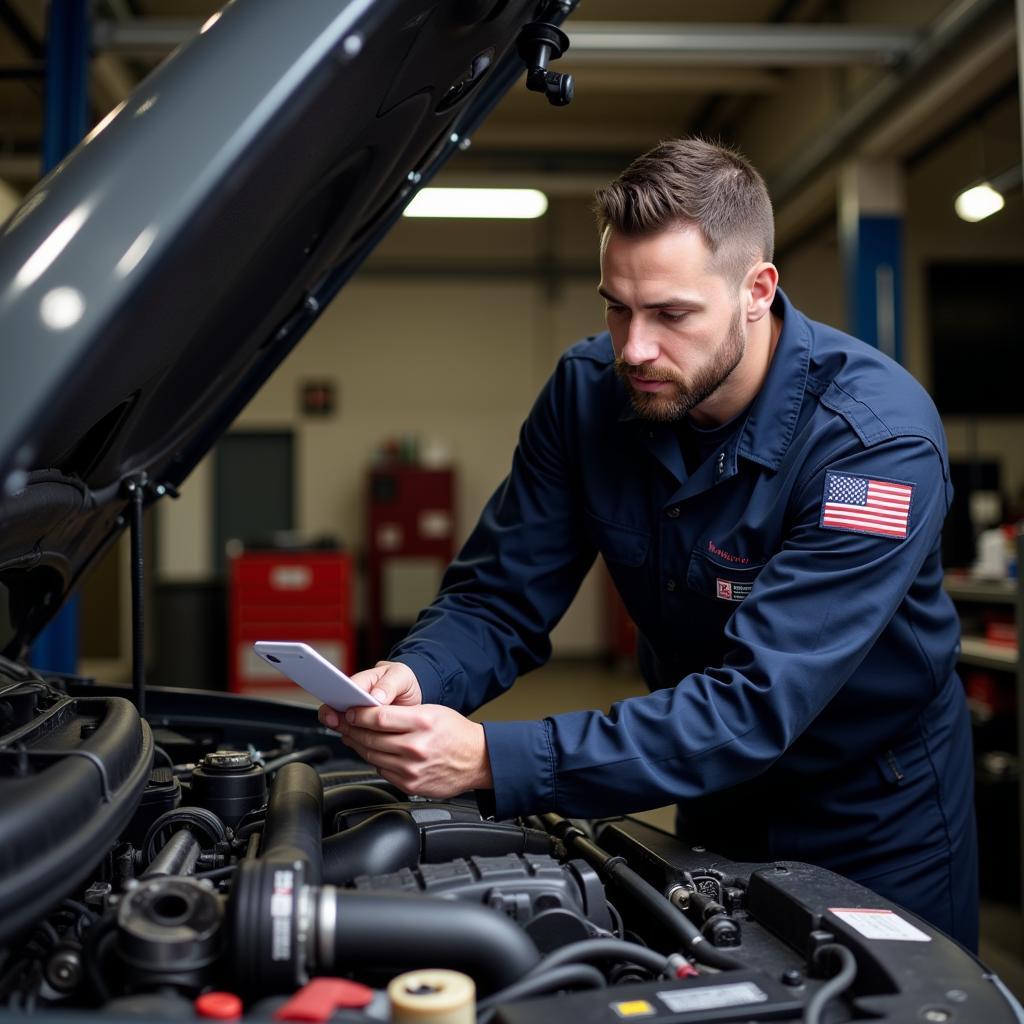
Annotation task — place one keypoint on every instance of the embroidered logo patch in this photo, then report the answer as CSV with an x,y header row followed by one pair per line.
x,y
730,590
860,504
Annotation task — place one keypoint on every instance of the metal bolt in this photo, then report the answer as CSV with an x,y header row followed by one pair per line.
x,y
937,1016
791,976
465,144
679,896
352,44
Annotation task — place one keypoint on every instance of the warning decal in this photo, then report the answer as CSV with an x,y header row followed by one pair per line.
x,y
880,924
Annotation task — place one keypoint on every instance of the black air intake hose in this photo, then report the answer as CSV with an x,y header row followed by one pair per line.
x,y
362,777
352,795
376,846
178,856
401,933
294,826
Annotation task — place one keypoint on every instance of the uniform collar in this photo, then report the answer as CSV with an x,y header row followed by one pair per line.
x,y
773,416
771,420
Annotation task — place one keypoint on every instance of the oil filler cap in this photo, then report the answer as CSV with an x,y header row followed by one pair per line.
x,y
219,1006
320,997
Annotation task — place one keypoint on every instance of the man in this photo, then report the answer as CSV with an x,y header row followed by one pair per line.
x,y
768,495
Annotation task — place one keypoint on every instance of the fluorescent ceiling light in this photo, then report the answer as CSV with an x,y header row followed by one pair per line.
x,y
978,202
503,203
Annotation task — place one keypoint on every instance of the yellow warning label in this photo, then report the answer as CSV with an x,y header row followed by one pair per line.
x,y
634,1008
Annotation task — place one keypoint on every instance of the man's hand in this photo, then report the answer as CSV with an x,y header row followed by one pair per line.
x,y
389,681
428,750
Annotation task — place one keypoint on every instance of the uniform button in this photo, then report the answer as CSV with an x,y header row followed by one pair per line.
x,y
671,585
673,512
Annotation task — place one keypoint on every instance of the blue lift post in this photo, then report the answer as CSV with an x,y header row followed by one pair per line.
x,y
871,234
66,101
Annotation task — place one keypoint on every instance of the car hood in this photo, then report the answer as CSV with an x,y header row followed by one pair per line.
x,y
153,281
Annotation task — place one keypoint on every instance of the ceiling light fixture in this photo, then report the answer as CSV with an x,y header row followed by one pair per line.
x,y
987,197
483,203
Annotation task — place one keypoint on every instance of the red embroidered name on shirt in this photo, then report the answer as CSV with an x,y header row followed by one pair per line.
x,y
728,556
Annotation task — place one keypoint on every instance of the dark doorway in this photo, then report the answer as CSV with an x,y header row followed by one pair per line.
x,y
254,489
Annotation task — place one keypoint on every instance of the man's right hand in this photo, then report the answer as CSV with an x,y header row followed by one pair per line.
x,y
390,682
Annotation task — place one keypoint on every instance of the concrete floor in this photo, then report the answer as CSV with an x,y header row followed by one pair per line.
x,y
571,686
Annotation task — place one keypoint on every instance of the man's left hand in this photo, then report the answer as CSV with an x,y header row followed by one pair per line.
x,y
427,750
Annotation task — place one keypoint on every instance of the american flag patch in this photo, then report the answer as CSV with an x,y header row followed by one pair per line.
x,y
864,505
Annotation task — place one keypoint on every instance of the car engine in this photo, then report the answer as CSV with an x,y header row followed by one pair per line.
x,y
227,857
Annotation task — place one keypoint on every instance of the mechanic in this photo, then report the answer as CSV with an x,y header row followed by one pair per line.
x,y
768,495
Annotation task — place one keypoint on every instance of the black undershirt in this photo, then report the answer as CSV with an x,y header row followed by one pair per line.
x,y
697,444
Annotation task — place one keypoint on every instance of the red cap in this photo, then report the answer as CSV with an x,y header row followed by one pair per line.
x,y
685,970
317,1000
219,1005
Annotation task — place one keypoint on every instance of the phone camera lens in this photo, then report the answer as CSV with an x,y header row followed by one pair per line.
x,y
274,659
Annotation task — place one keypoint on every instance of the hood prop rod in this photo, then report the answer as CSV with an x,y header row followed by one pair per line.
x,y
136,493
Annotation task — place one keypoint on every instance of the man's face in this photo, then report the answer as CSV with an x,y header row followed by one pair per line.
x,y
675,321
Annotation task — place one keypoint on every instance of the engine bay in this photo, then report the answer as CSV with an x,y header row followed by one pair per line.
x,y
226,856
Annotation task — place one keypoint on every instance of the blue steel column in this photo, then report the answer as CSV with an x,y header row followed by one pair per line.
x,y
871,235
65,122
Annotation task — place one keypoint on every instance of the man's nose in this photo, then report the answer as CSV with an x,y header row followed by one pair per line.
x,y
641,345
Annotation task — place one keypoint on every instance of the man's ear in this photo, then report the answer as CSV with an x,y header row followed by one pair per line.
x,y
763,282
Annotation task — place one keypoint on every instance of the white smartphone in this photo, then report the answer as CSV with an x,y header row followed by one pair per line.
x,y
315,674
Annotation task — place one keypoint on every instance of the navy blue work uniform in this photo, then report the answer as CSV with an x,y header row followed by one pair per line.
x,y
794,632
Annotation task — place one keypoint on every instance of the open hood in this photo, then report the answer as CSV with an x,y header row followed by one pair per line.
x,y
154,280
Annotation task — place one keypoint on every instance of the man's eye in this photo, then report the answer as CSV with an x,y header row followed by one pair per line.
x,y
672,318
614,309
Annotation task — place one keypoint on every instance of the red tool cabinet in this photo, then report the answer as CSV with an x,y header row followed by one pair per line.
x,y
410,514
288,595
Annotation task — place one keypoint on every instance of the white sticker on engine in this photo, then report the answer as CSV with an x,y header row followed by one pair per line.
x,y
880,924
710,997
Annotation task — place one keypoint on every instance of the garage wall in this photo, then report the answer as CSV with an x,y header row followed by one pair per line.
x,y
452,358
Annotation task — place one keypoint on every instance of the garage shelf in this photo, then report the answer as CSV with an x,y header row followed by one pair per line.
x,y
977,651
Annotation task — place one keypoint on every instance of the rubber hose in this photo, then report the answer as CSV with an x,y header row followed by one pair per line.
x,y
653,903
294,825
566,976
378,845
363,778
352,795
177,856
591,950
310,755
402,932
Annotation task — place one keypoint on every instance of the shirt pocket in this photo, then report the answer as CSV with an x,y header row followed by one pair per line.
x,y
717,581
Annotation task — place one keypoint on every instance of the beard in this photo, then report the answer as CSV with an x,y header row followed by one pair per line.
x,y
673,404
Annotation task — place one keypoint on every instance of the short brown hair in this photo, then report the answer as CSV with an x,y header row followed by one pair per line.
x,y
692,181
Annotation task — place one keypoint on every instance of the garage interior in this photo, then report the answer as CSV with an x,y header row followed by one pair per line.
x,y
421,372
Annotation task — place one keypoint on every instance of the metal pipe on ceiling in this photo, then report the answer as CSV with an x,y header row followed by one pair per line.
x,y
674,44
959,23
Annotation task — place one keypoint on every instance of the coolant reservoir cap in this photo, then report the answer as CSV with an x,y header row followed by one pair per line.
x,y
219,1006
432,997
228,760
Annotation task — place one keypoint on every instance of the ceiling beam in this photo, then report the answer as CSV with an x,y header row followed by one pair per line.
x,y
626,81
648,43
